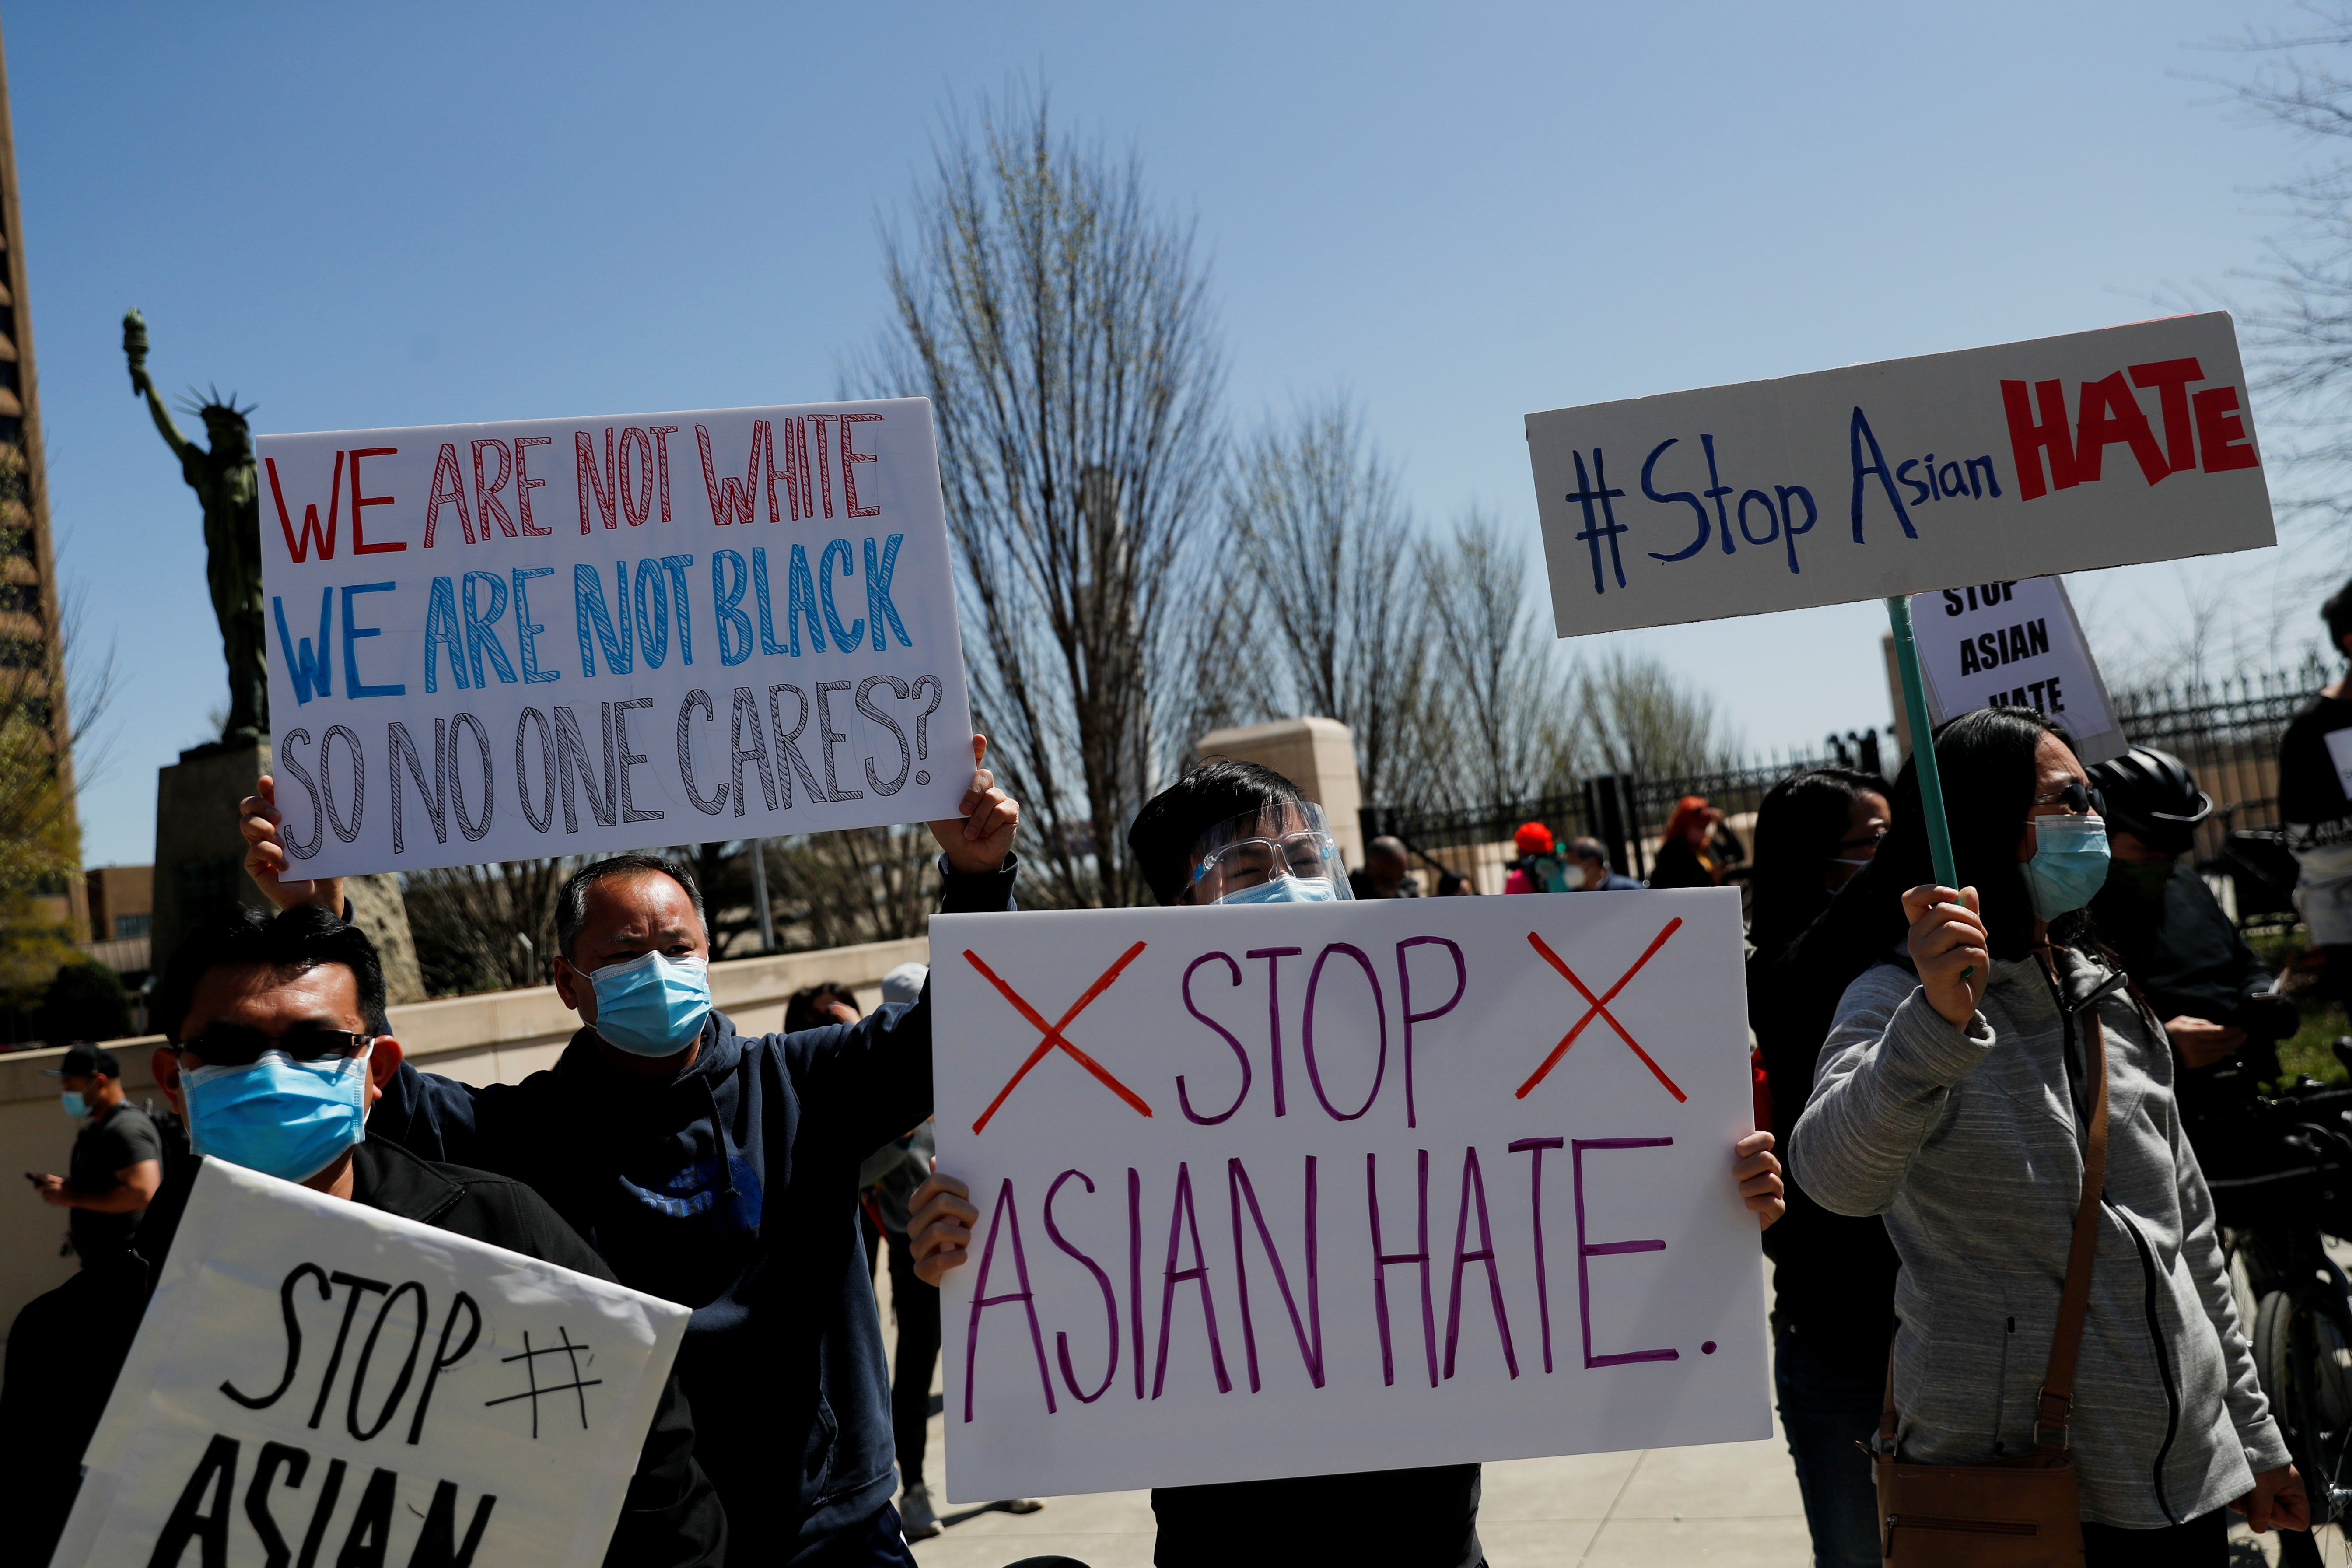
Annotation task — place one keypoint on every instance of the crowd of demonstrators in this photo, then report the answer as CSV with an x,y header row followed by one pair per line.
x,y
1833,1274
1237,833
116,1162
1988,1048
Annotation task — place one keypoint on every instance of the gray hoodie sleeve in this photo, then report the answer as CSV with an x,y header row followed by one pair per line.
x,y
2201,1249
1880,1090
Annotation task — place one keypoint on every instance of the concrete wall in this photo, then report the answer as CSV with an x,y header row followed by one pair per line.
x,y
498,1038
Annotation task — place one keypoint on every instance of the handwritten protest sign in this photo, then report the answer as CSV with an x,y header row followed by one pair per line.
x,y
319,1376
2015,645
491,642
2056,455
1290,1190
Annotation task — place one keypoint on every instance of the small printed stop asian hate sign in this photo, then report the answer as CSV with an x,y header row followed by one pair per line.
x,y
316,1379
496,642
1305,1189
2025,459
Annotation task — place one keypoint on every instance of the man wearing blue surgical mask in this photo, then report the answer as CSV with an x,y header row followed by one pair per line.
x,y
278,1045
718,1171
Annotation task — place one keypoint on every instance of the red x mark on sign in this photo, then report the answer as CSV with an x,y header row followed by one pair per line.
x,y
1599,1008
1052,1033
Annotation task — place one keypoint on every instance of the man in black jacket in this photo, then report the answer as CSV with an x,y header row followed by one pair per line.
x,y
718,1171
294,998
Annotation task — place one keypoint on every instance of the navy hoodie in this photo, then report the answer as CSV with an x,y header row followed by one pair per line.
x,y
731,1189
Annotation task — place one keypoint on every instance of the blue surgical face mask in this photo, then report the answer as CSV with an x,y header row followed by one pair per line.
x,y
284,1118
652,1005
1285,890
76,1106
2069,864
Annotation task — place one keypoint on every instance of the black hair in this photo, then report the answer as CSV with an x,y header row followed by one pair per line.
x,y
1799,827
1588,850
298,940
1172,822
1986,760
801,1010
571,900
2337,614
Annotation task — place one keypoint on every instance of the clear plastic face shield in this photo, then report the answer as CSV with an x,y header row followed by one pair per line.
x,y
1282,854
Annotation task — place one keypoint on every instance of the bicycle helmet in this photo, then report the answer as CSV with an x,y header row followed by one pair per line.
x,y
2152,796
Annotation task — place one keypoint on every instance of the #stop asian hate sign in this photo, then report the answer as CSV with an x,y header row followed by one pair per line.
x,y
495,642
1303,1189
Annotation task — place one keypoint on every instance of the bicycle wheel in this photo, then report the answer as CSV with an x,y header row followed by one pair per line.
x,y
2303,1354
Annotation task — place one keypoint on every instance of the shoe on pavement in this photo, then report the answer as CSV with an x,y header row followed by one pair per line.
x,y
915,1516
1022,1504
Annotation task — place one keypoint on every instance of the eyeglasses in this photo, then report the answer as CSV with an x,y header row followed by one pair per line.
x,y
1248,862
241,1045
2075,797
1868,841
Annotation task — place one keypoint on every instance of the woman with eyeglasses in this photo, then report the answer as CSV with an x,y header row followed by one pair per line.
x,y
1833,1275
1954,1096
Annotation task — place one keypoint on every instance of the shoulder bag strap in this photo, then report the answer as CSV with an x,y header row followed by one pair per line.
x,y
2057,1398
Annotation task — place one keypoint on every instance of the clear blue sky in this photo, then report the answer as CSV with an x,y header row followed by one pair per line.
x,y
369,215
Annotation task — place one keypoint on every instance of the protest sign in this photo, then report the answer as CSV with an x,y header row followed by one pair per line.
x,y
2055,455
496,642
1303,1189
318,1375
2015,645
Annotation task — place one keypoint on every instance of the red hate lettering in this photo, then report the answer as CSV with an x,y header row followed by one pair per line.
x,y
449,489
487,504
637,498
2111,414
2171,377
2029,437
662,433
850,457
2220,431
525,484
823,463
300,549
731,502
360,546
795,473
593,481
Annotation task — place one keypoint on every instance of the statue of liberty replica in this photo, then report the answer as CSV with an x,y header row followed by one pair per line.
x,y
225,482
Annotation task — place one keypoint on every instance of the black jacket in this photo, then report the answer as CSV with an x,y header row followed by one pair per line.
x,y
732,1188
67,1346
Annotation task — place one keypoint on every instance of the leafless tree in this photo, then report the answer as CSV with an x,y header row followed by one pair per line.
x,y
1324,557
1498,699
485,928
1639,718
1059,323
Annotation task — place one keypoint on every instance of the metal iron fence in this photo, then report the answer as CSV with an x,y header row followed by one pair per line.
x,y
2227,731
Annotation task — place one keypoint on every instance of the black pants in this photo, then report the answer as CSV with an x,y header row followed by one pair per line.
x,y
2202,1543
915,1307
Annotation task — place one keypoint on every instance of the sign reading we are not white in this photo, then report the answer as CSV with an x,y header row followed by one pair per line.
x,y
1303,1189
495,642
319,1378
2026,460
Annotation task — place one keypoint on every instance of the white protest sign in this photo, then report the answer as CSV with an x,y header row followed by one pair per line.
x,y
1306,1189
495,642
2015,645
315,1375
2030,458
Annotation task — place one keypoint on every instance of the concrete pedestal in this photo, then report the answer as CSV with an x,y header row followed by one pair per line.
x,y
1319,755
200,862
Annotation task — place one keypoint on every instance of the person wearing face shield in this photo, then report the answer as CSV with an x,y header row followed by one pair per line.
x,y
1236,833
718,1171
277,1045
1959,1096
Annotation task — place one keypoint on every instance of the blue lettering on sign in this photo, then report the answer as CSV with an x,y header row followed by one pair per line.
x,y
310,669
1606,526
352,632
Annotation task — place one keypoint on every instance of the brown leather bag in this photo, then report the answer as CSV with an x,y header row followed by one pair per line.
x,y
2025,1512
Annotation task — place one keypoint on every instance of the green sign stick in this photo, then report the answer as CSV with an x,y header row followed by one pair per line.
x,y
1922,747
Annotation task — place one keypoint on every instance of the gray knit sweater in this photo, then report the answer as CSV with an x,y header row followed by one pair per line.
x,y
1969,1143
